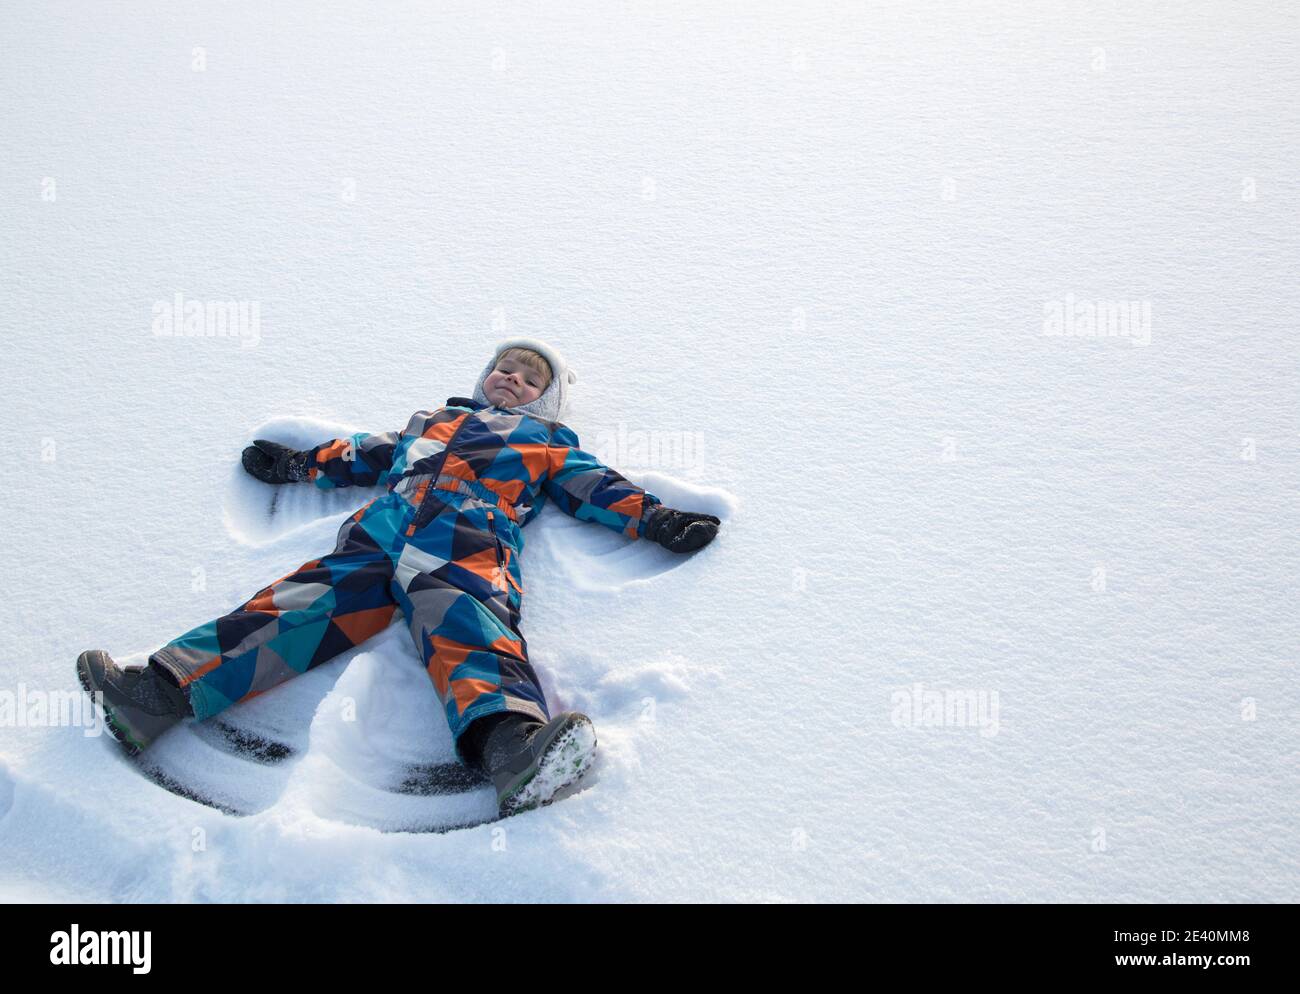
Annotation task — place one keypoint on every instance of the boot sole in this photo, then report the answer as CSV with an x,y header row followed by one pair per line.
x,y
118,727
563,761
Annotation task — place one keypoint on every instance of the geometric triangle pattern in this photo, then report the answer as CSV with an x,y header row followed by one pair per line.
x,y
513,460
442,546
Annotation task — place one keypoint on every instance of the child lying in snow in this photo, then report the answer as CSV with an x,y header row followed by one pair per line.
x,y
442,545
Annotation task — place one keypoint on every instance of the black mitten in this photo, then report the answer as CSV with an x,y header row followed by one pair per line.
x,y
272,462
680,531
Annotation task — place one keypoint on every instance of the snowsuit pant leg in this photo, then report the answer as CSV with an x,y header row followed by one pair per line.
x,y
307,617
458,583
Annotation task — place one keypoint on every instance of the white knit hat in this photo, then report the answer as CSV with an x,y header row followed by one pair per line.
x,y
553,402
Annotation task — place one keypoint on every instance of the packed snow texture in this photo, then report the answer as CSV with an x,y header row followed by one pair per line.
x,y
807,261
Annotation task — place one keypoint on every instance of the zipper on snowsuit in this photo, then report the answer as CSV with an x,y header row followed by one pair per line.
x,y
421,518
503,558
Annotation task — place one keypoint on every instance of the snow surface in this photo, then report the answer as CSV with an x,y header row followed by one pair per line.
x,y
823,238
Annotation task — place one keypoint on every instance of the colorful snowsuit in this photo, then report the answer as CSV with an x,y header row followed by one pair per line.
x,y
442,544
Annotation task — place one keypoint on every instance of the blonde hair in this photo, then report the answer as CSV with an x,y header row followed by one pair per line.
x,y
533,360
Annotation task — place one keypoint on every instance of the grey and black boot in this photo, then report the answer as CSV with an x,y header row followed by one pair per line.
x,y
529,761
139,702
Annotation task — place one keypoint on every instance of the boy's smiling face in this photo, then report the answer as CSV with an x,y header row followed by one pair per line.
x,y
513,384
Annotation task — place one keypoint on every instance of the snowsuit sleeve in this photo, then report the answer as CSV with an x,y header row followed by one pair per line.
x,y
359,460
582,486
